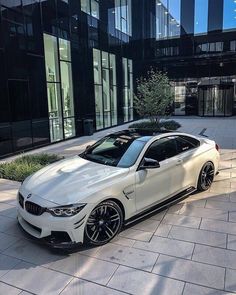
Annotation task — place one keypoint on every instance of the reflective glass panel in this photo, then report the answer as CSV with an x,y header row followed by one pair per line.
x,y
201,17
51,58
114,105
67,89
174,18
104,59
123,16
117,15
125,71
64,49
126,104
98,106
97,66
69,127
180,95
55,112
95,9
106,97
161,19
229,18
85,6
113,69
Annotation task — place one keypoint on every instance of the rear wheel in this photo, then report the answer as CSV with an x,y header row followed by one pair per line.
x,y
103,224
206,176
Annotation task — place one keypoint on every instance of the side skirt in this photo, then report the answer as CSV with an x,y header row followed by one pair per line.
x,y
161,206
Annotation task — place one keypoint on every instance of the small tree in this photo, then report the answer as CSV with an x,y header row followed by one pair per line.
x,y
154,95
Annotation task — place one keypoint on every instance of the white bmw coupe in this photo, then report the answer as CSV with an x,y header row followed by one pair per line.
x,y
118,180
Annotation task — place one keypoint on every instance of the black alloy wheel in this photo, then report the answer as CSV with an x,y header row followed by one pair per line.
x,y
206,176
103,224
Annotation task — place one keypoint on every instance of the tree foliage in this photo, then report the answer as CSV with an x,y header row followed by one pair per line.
x,y
154,95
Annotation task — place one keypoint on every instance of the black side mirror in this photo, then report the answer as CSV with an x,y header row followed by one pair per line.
x,y
87,147
148,163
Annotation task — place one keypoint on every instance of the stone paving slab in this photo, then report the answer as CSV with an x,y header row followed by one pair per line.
x,y
189,210
230,282
36,279
163,230
191,289
215,256
81,287
218,226
198,236
132,257
9,290
231,244
26,250
136,234
167,246
185,221
142,283
190,271
232,216
83,267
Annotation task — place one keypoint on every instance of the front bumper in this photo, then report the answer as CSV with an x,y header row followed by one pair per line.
x,y
53,241
58,232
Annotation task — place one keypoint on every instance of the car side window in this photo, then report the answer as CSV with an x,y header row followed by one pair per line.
x,y
195,142
162,149
184,144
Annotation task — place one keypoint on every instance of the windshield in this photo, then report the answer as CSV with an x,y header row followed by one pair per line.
x,y
118,151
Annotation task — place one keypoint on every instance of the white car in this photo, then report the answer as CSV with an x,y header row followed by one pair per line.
x,y
118,180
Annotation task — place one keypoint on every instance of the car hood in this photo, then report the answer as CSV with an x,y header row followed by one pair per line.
x,y
72,180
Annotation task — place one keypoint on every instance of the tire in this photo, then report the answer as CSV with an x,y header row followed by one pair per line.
x,y
206,177
104,223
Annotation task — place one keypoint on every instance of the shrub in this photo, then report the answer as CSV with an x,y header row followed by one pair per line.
x,y
24,166
146,125
170,124
156,126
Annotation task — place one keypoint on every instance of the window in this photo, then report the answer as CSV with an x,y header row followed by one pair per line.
x,y
90,7
123,16
174,18
179,90
233,45
209,47
195,142
104,66
162,149
183,145
127,89
229,16
168,51
120,150
201,17
167,19
59,87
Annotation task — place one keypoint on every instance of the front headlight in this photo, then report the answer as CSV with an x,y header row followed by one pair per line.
x,y
66,211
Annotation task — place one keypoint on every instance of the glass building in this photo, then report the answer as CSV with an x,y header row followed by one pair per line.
x,y
65,61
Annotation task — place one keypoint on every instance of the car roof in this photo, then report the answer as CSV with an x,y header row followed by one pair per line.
x,y
140,134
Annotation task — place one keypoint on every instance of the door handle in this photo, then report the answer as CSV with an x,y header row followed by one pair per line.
x,y
179,162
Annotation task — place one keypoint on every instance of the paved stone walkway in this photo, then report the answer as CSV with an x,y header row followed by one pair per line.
x,y
189,249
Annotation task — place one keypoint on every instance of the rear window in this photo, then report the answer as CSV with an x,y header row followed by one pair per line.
x,y
185,143
195,142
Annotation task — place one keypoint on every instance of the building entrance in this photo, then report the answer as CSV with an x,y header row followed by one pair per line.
x,y
215,100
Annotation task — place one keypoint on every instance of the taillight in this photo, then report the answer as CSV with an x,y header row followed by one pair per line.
x,y
217,147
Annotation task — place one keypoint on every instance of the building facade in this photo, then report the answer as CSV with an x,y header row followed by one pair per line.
x,y
66,61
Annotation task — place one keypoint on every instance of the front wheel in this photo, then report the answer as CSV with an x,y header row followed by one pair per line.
x,y
206,177
103,224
